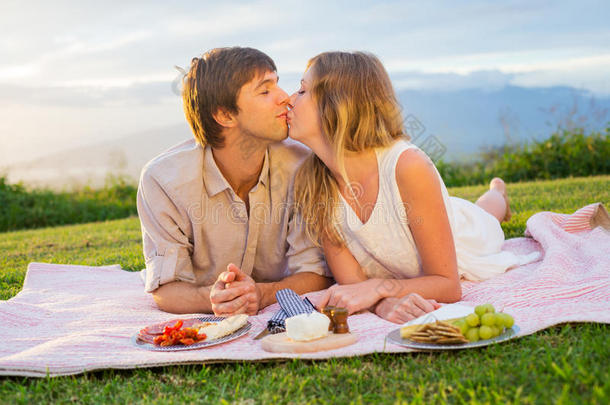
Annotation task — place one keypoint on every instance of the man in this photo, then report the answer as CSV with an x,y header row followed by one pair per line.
x,y
219,228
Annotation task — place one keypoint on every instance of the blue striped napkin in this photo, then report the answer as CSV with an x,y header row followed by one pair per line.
x,y
291,304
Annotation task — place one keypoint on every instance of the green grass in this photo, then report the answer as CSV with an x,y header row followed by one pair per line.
x,y
24,208
564,364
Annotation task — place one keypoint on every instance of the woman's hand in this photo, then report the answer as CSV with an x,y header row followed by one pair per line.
x,y
401,310
354,297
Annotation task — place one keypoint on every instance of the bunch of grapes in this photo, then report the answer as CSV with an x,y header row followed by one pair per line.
x,y
484,323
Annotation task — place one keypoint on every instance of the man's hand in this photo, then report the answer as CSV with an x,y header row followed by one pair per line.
x,y
354,297
401,310
234,292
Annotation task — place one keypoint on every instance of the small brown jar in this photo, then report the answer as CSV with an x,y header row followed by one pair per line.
x,y
339,316
328,311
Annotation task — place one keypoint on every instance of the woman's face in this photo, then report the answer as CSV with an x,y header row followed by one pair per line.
x,y
303,118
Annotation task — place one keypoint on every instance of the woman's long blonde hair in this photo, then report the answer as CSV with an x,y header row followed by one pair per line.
x,y
358,111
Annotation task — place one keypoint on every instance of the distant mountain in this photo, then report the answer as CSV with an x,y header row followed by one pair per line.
x,y
449,124
467,120
91,164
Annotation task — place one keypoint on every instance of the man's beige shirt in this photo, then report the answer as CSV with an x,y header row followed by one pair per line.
x,y
194,224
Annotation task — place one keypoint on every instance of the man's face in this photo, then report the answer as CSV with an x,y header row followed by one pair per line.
x,y
262,108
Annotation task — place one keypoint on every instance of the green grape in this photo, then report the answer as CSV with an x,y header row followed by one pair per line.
x,y
485,332
500,319
489,308
472,319
480,310
488,319
458,320
473,334
509,321
461,323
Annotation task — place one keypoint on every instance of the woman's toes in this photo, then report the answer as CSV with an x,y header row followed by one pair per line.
x,y
498,184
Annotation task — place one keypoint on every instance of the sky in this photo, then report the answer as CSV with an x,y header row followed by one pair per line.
x,y
76,73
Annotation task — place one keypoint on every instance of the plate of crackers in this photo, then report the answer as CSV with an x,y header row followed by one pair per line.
x,y
440,337
481,327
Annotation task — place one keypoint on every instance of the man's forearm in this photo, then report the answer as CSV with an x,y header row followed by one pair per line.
x,y
180,297
301,283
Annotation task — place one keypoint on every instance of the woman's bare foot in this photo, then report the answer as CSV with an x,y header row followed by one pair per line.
x,y
498,184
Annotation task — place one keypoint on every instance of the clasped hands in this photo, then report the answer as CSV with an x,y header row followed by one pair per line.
x,y
235,292
374,295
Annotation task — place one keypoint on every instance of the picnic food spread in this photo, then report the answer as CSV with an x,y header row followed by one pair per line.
x,y
484,323
312,332
297,327
187,332
316,325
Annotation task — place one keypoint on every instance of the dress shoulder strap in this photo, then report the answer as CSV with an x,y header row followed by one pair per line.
x,y
389,159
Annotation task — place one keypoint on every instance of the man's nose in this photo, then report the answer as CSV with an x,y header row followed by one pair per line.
x,y
291,99
283,97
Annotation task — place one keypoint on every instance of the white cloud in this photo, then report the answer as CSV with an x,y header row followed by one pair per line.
x,y
508,62
77,47
120,82
11,73
219,22
535,68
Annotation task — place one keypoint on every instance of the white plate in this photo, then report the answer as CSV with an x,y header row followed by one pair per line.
x,y
199,345
395,338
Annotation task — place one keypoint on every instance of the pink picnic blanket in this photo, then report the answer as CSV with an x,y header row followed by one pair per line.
x,y
71,319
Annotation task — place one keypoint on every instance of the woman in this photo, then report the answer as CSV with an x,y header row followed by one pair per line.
x,y
394,240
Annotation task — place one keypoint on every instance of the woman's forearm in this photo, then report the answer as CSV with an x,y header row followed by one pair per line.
x,y
439,288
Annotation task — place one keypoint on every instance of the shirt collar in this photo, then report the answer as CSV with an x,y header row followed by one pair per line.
x,y
264,177
214,180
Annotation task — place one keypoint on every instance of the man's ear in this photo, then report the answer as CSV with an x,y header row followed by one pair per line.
x,y
224,118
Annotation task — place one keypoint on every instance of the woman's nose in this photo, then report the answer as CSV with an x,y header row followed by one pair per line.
x,y
289,100
292,99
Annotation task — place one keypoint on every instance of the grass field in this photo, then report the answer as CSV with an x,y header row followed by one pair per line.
x,y
564,364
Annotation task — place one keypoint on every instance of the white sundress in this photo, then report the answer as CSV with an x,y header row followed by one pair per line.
x,y
384,246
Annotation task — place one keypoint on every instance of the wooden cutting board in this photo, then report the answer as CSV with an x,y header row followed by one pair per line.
x,y
281,343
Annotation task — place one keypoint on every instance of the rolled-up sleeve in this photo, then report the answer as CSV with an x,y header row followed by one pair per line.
x,y
303,255
167,249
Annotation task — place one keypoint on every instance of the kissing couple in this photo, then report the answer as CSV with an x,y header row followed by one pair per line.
x,y
318,190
